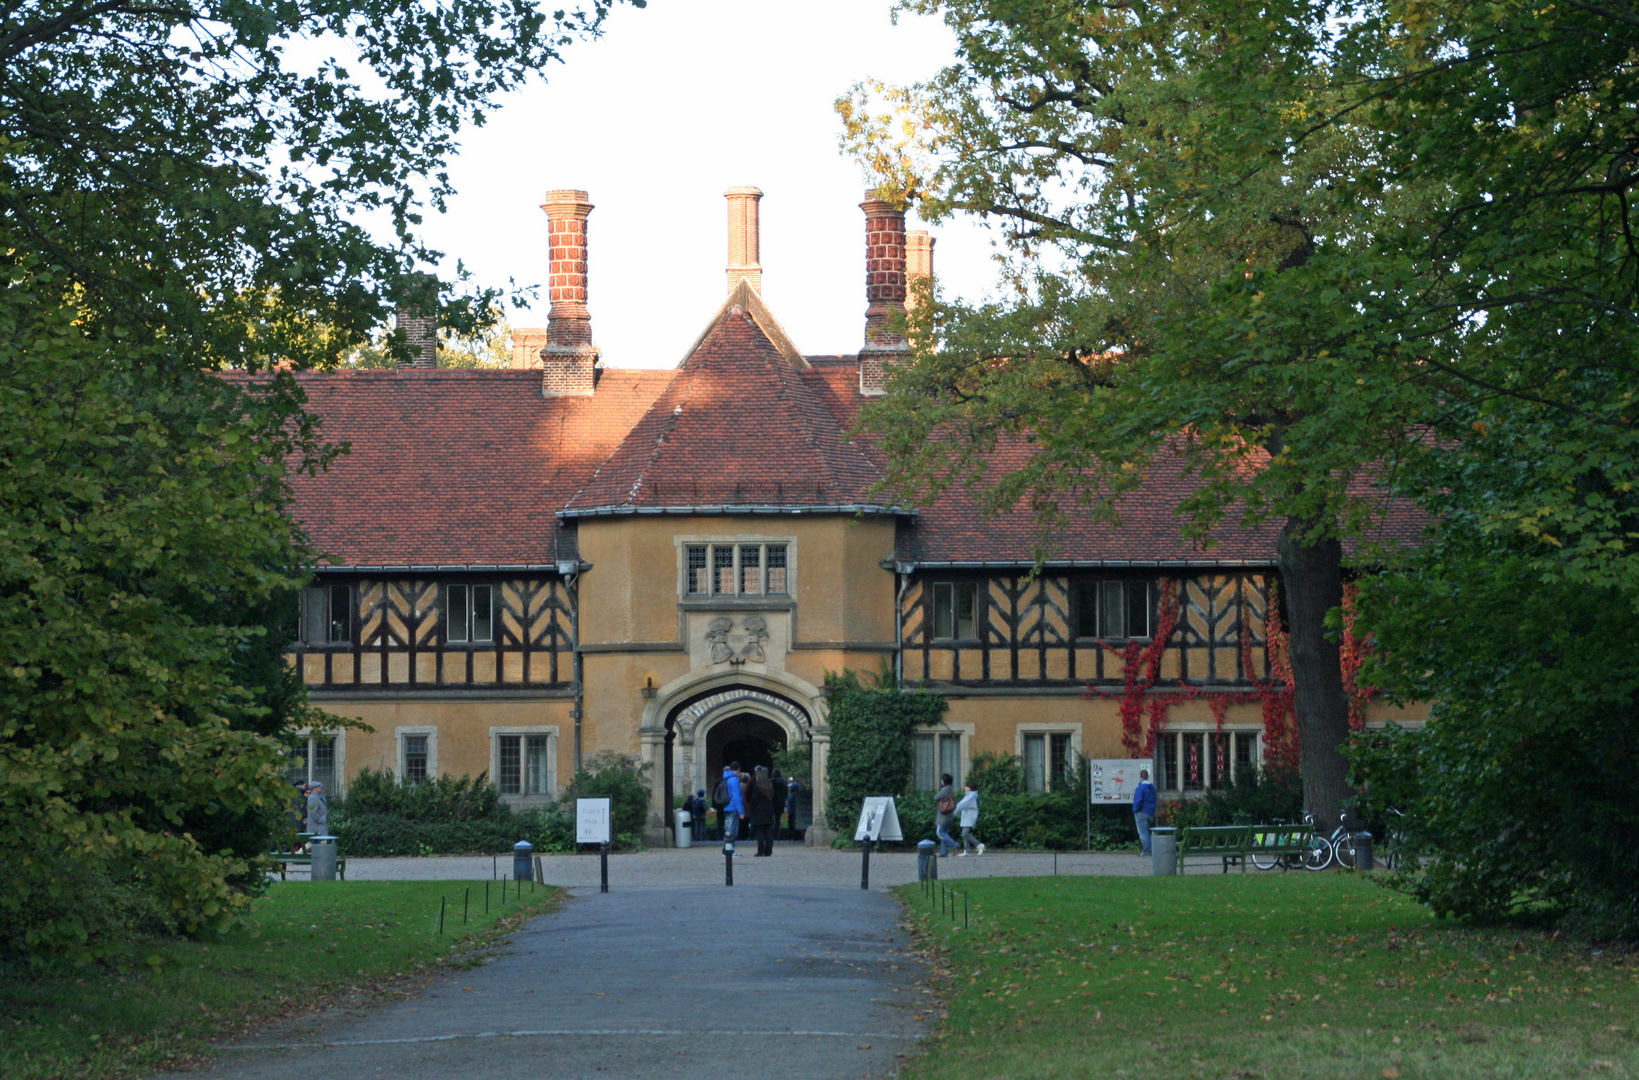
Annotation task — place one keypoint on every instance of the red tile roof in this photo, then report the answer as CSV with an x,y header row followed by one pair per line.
x,y
740,426
457,467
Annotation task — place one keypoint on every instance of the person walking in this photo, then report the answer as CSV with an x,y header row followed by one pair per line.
x,y
944,807
318,811
735,808
967,813
1144,810
764,811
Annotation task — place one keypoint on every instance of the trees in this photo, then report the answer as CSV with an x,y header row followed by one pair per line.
x,y
179,191
1188,234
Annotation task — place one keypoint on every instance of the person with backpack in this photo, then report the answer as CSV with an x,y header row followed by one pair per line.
x,y
1144,810
792,786
734,807
697,812
944,806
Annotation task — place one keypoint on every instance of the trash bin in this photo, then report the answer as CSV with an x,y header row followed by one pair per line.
x,y
521,868
324,858
927,864
1362,851
1163,851
683,828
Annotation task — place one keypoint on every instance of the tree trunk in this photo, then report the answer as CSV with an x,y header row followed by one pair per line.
x,y
1312,585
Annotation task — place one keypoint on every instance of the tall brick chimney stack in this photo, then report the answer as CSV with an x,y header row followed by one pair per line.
x,y
417,318
884,292
918,262
744,245
568,360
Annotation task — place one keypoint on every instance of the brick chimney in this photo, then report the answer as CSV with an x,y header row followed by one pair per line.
x,y
568,360
417,317
744,246
526,346
884,292
918,263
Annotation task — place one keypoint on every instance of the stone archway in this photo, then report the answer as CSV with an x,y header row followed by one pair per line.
x,y
678,723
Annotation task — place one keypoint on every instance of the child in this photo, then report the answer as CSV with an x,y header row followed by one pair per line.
x,y
967,812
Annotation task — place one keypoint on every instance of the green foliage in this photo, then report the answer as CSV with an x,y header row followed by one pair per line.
x,y
437,798
997,774
797,761
1523,790
871,742
1257,798
147,584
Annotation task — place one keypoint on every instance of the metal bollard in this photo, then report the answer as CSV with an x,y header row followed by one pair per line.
x,y
523,868
1163,851
1363,851
324,858
927,867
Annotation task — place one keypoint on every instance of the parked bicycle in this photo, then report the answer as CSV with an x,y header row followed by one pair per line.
x,y
1317,855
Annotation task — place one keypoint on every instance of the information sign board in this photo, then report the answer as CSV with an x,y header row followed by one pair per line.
x,y
1112,780
592,821
879,819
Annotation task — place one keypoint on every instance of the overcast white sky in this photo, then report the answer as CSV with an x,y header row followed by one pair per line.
x,y
674,104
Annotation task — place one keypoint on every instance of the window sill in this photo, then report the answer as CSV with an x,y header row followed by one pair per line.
x,y
708,603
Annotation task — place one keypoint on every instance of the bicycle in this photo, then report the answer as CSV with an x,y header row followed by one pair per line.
x,y
1317,856
1342,841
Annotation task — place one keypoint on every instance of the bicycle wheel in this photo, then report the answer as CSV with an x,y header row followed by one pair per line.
x,y
1266,862
1343,851
1319,855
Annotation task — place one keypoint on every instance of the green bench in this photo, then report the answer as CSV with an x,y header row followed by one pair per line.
x,y
1225,842
288,859
1267,846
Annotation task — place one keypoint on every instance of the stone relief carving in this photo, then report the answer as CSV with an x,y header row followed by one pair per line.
x,y
756,637
717,639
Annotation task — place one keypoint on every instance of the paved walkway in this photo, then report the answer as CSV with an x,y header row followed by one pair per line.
x,y
786,982
791,865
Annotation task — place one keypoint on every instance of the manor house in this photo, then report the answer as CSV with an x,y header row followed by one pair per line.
x,y
532,566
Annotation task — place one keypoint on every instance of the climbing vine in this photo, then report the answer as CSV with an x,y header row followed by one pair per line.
x,y
1143,708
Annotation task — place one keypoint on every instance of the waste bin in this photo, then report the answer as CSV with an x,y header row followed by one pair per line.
x,y
927,864
1163,851
1362,851
521,868
324,858
683,828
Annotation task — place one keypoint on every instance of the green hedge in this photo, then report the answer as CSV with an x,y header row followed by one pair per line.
x,y
871,742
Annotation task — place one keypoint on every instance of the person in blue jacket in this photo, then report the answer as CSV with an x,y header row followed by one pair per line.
x,y
736,808
1144,809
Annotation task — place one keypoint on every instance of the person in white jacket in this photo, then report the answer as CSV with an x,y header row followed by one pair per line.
x,y
967,812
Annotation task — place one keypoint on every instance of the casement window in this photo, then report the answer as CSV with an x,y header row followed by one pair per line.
x,y
326,615
955,610
1049,760
523,763
933,754
748,569
1115,610
1203,760
470,614
314,761
417,753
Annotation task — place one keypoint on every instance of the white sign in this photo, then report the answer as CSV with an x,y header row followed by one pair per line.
x,y
1112,780
592,821
879,820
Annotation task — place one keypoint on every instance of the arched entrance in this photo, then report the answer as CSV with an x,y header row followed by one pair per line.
x,y
750,739
695,726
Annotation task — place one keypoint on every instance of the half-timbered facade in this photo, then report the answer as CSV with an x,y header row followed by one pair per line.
x,y
532,566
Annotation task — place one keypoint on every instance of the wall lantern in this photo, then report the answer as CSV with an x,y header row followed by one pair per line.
x,y
648,689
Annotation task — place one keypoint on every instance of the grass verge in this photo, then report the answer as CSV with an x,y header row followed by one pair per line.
x,y
309,944
1290,976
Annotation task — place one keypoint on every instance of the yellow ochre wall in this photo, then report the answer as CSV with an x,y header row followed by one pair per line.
x,y
463,730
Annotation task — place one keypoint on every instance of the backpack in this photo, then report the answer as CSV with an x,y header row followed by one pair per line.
x,y
719,794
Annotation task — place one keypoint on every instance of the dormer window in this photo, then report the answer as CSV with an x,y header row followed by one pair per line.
x,y
736,569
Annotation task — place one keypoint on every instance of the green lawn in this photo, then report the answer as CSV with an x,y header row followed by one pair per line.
x,y
310,941
1269,975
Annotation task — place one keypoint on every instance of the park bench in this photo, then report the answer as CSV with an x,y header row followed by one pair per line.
x,y
1226,842
288,859
1272,842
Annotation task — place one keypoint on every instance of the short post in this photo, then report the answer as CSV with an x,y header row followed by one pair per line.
x,y
486,898
603,858
440,916
1055,864
522,863
1163,851
964,911
540,872
926,866
466,902
865,867
728,862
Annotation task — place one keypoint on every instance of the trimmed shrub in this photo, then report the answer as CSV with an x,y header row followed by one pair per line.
x,y
624,782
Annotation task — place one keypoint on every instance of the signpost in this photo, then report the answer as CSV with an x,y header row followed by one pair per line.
x,y
1110,782
592,827
878,820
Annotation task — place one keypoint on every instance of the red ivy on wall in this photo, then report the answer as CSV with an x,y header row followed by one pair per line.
x,y
1141,668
